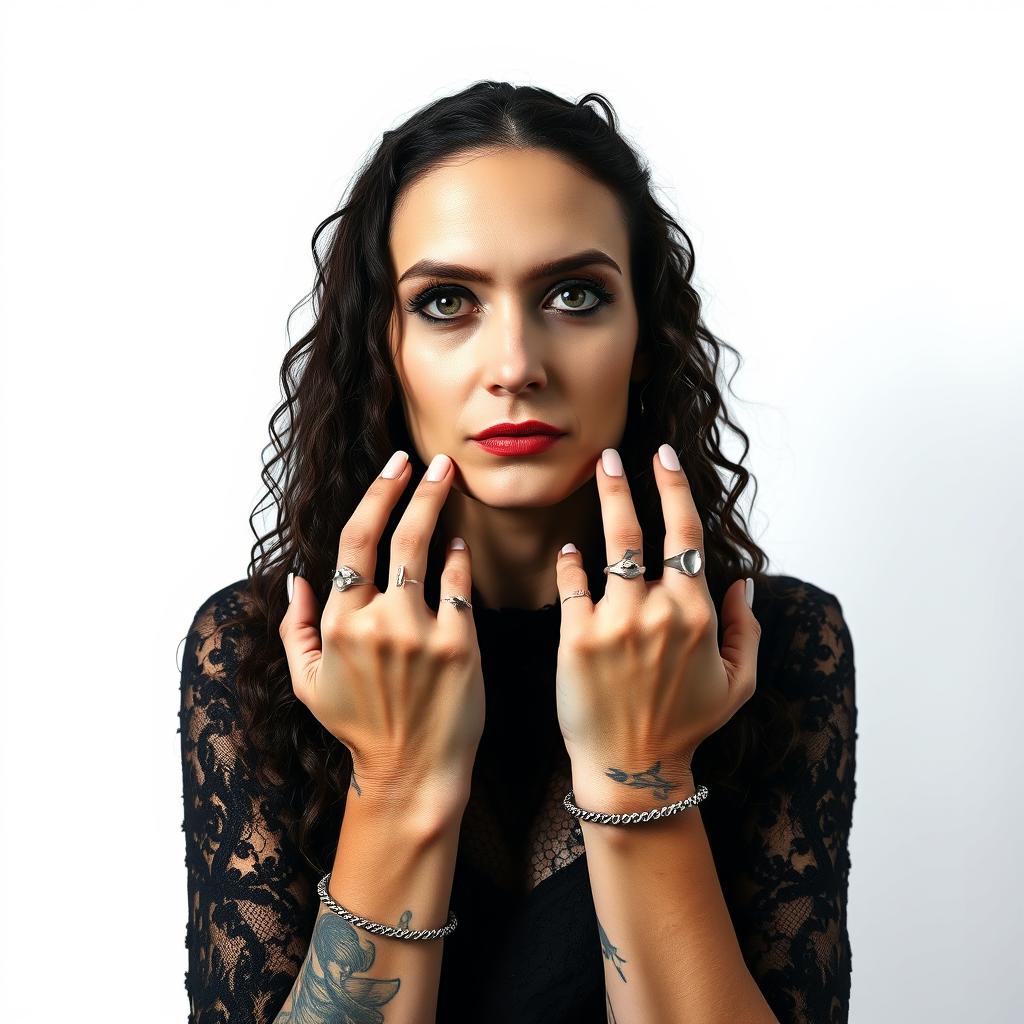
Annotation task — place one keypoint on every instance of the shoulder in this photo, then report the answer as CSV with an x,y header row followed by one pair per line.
x,y
805,638
217,636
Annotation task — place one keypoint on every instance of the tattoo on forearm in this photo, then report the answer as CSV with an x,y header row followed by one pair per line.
x,y
403,921
650,779
335,990
611,952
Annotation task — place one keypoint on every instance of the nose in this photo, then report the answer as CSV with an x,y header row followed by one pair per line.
x,y
512,351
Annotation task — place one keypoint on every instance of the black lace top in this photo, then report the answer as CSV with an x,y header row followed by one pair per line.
x,y
778,829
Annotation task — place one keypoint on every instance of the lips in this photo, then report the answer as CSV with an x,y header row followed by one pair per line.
x,y
527,438
523,429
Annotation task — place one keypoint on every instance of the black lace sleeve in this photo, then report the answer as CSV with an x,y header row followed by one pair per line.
x,y
789,884
251,905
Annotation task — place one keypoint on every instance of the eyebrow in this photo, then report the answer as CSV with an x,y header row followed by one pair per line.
x,y
434,268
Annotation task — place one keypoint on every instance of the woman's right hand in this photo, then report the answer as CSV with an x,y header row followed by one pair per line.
x,y
400,686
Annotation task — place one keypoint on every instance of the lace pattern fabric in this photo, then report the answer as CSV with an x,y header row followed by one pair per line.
x,y
781,852
251,905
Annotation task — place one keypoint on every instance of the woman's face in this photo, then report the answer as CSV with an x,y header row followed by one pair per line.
x,y
515,304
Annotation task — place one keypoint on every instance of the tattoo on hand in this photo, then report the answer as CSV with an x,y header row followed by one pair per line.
x,y
336,994
650,779
611,952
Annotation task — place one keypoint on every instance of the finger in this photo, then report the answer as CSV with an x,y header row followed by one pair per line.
x,y
621,527
455,609
411,538
357,547
741,635
683,526
573,592
300,634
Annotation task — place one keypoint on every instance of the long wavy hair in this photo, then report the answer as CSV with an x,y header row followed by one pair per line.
x,y
341,415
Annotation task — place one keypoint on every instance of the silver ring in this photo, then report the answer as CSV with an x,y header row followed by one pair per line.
x,y
687,562
346,577
627,567
401,579
576,593
459,601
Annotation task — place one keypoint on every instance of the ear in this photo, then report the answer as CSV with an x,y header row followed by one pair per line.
x,y
641,365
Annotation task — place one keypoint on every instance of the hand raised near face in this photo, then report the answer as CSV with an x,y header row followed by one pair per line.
x,y
399,685
640,679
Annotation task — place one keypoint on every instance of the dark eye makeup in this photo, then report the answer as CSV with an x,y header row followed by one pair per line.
x,y
440,290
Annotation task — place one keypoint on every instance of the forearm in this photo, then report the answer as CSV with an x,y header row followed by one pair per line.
x,y
671,952
394,871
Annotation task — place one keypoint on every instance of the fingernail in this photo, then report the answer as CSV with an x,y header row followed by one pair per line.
x,y
611,462
668,457
438,467
395,466
291,586
750,593
457,544
569,549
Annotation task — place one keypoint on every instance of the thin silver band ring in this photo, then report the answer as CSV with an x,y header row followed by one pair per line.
x,y
401,579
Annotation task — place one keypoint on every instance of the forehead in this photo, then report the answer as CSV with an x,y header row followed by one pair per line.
x,y
506,208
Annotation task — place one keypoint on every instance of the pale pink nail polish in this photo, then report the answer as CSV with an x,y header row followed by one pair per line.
x,y
457,544
750,593
569,549
668,457
438,467
291,586
611,462
394,466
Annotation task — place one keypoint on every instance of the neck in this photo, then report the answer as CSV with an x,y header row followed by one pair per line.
x,y
514,550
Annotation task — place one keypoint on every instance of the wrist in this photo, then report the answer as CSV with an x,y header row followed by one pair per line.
x,y
626,789
419,812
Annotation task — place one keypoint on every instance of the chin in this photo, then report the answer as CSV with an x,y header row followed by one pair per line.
x,y
522,485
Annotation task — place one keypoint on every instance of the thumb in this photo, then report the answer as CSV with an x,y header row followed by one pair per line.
x,y
741,634
300,634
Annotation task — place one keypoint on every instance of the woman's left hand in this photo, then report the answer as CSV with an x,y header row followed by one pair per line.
x,y
640,678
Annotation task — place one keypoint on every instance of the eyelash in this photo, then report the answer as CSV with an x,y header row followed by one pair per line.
x,y
435,289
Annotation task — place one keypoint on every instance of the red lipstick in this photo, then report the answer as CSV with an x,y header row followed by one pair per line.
x,y
526,438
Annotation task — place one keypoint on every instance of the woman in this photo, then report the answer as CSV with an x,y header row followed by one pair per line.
x,y
533,620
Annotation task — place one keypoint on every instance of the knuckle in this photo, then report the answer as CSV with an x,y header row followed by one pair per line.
x,y
357,535
459,579
662,617
701,620
406,544
627,535
450,649
334,629
406,641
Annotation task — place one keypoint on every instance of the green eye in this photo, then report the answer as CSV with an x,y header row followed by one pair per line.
x,y
576,298
446,305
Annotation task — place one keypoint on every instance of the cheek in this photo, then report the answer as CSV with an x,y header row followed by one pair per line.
x,y
600,383
429,383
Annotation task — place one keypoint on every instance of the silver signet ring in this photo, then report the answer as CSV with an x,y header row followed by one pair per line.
x,y
346,577
458,601
627,567
687,562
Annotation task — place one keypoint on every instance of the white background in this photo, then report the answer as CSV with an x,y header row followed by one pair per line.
x,y
851,178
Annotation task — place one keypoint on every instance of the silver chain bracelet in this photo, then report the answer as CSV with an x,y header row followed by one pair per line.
x,y
637,816
381,929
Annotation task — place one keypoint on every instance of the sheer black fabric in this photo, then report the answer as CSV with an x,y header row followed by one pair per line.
x,y
527,946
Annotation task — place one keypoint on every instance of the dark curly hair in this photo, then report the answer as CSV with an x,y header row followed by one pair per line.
x,y
342,417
